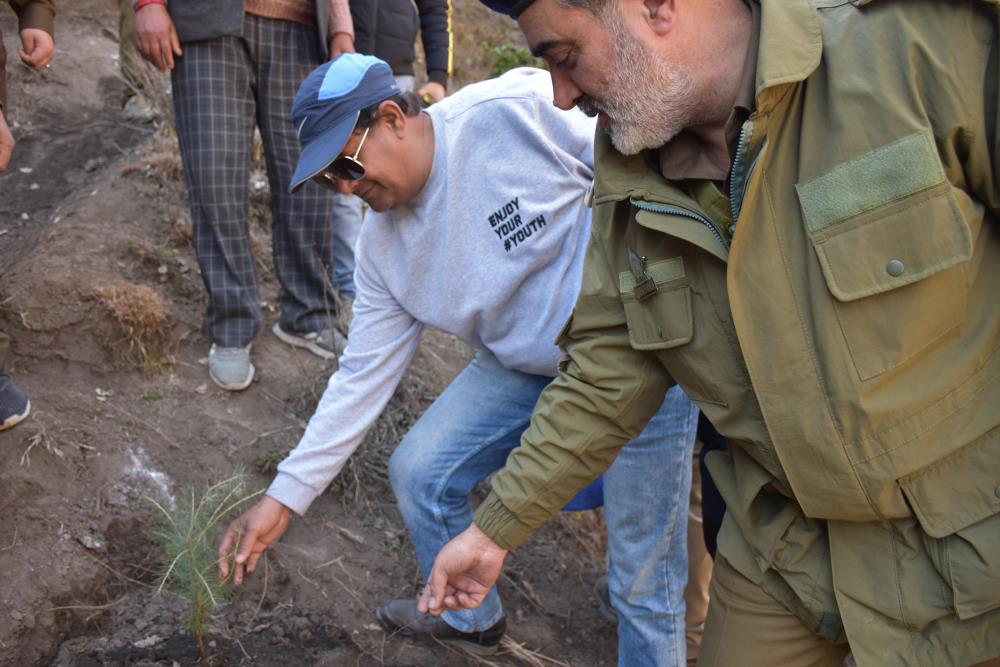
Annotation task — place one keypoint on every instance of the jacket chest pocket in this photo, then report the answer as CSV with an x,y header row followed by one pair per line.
x,y
664,323
893,248
662,320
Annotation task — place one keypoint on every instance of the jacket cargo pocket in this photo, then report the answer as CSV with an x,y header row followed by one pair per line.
x,y
957,503
893,248
663,320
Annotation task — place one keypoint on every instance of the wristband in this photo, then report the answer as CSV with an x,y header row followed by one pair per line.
x,y
139,4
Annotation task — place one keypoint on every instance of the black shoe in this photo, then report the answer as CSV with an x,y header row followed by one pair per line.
x,y
604,607
14,405
401,617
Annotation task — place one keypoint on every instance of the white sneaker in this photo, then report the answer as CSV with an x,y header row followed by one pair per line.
x,y
230,367
327,343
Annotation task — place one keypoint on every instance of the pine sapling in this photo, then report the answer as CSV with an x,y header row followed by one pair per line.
x,y
187,546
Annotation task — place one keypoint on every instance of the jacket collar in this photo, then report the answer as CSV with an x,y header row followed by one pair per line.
x,y
791,42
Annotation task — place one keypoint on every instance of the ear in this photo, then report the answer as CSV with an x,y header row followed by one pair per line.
x,y
661,15
393,116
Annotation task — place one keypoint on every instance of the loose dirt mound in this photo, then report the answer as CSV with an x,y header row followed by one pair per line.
x,y
92,216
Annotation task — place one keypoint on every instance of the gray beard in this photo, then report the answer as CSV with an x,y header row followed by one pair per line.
x,y
648,101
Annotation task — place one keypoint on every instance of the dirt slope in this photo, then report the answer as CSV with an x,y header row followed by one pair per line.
x,y
92,202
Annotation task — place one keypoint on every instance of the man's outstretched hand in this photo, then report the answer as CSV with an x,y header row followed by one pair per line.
x,y
463,573
250,535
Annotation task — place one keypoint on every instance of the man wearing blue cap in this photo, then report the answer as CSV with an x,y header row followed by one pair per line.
x,y
478,227
820,178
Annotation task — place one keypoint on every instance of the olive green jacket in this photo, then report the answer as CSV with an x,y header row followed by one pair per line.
x,y
30,14
846,342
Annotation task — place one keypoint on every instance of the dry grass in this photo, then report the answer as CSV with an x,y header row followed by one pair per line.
x,y
145,81
159,161
141,315
588,529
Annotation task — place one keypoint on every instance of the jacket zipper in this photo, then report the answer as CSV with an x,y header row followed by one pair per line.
x,y
736,204
673,210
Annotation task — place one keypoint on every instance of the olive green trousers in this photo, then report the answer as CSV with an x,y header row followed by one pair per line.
x,y
749,628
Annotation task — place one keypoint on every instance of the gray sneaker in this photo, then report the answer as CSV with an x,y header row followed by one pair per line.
x,y
230,367
327,343
345,313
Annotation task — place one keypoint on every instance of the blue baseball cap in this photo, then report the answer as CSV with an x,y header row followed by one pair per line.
x,y
512,8
327,106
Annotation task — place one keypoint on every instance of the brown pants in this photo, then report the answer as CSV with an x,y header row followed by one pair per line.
x,y
749,628
699,570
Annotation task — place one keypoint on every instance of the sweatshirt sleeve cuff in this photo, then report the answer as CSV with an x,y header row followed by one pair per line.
x,y
500,524
340,18
39,16
292,493
439,76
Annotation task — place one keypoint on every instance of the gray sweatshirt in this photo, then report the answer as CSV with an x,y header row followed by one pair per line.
x,y
491,250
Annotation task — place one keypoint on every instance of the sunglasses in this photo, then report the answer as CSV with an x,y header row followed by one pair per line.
x,y
344,168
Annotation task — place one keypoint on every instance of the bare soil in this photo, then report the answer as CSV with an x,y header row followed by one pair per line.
x,y
122,412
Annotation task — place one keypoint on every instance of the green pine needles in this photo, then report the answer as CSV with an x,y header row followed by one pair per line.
x,y
187,546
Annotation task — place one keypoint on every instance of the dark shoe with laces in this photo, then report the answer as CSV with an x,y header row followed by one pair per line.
x,y
401,617
14,405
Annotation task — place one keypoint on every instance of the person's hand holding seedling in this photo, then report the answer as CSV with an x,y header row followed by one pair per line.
x,y
249,535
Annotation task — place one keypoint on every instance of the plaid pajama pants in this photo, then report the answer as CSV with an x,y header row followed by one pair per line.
x,y
222,88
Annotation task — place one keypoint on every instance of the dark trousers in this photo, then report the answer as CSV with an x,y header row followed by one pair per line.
x,y
222,89
713,507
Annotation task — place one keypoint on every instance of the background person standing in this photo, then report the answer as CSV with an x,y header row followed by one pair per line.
x,y
239,67
35,20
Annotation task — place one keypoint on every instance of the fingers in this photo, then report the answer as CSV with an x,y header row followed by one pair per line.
x,y
156,37
226,547
173,47
149,47
432,599
37,48
247,552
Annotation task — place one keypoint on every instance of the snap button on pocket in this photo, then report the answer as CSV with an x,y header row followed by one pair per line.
x,y
894,268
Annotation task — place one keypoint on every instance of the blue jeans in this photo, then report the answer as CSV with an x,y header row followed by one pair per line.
x,y
345,224
467,434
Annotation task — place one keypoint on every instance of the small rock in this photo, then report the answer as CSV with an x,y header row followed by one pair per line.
x,y
151,640
92,164
91,542
25,170
201,389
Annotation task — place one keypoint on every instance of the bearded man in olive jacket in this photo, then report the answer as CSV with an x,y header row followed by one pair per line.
x,y
797,219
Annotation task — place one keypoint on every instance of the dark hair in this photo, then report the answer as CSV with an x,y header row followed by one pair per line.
x,y
407,102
